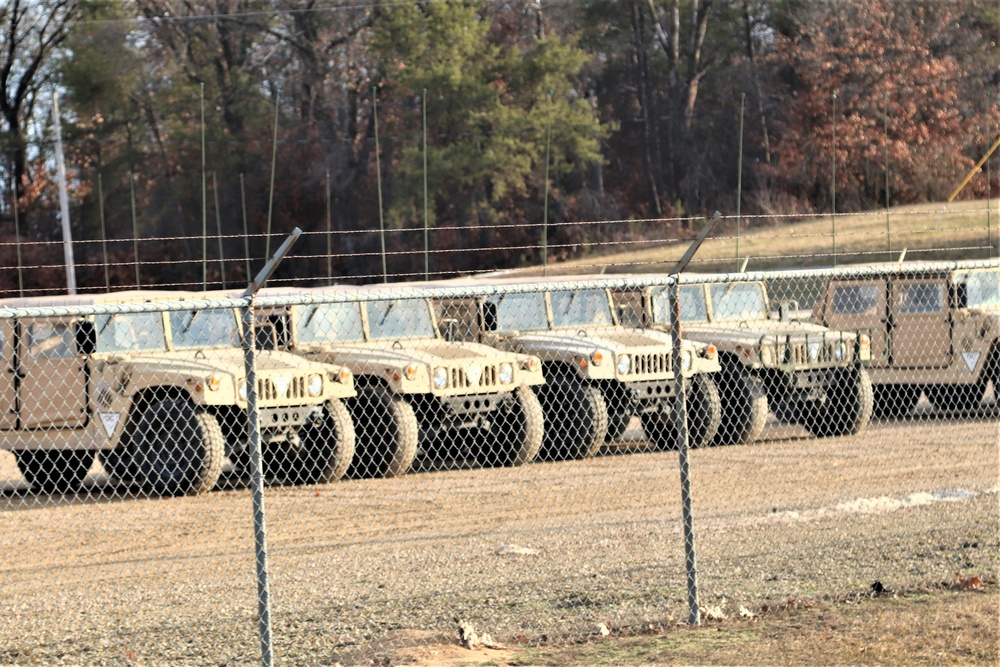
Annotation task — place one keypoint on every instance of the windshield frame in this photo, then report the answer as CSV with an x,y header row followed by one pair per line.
x,y
175,335
370,328
298,314
763,314
573,296
963,279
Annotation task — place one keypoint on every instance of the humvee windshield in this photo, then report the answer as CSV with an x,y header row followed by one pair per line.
x,y
519,311
329,323
581,307
402,318
738,301
693,308
130,332
216,327
982,289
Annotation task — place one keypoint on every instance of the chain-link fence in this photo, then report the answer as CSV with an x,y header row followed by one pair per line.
x,y
503,454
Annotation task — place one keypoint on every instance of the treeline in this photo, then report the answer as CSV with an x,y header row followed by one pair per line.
x,y
495,124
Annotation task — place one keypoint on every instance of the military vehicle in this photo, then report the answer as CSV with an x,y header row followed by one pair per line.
x,y
598,373
935,331
417,393
805,372
160,397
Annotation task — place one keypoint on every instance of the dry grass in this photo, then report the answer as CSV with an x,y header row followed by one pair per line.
x,y
959,230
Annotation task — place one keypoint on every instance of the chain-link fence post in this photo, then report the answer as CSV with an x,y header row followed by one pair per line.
x,y
680,419
256,458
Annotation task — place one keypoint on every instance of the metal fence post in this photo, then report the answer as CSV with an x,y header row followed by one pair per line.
x,y
680,419
257,489
256,459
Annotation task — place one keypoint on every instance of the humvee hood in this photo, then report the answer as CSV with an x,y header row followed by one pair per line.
x,y
215,360
405,352
613,339
750,331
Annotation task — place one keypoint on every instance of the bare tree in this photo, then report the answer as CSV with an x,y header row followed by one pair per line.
x,y
31,30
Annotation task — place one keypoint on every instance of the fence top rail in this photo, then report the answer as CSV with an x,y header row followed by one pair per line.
x,y
113,302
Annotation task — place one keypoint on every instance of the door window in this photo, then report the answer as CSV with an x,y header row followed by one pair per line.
x,y
50,341
921,298
856,300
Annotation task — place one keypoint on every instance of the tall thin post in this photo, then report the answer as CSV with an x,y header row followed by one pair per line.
x,y
680,419
246,232
833,182
329,234
17,246
378,175
739,182
270,196
104,233
545,205
989,222
63,202
427,252
888,229
218,228
135,228
256,459
204,199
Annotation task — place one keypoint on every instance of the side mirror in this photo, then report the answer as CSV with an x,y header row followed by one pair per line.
x,y
448,327
85,335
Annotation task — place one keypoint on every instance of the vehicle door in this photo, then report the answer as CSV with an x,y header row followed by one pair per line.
x,y
921,323
860,304
53,390
8,391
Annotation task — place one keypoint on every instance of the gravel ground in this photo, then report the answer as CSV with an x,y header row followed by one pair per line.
x,y
545,551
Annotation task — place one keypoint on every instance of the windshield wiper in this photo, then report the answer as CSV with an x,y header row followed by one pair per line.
x,y
194,316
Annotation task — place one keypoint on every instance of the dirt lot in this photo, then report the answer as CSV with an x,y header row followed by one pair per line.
x,y
544,555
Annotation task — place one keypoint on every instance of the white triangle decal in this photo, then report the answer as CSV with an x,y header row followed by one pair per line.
x,y
971,359
110,421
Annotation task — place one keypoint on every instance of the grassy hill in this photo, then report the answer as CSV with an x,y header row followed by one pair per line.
x,y
927,231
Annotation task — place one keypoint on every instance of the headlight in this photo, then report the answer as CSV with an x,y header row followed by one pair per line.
x,y
686,360
315,385
411,371
506,373
440,377
243,389
624,364
840,351
596,358
214,382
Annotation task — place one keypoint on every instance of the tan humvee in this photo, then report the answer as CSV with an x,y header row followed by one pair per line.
x,y
161,396
805,372
932,331
417,393
598,373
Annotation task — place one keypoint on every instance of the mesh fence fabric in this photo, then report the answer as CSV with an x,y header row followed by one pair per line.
x,y
494,453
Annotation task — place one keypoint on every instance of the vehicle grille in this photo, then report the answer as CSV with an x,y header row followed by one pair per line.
x,y
460,379
650,364
269,389
798,353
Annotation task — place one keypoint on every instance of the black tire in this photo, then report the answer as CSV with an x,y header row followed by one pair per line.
x,y
576,420
956,397
894,400
704,410
178,450
618,422
515,437
848,407
54,471
325,450
387,433
118,463
744,408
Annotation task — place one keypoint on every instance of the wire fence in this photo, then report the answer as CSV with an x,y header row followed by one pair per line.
x,y
958,230
366,470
